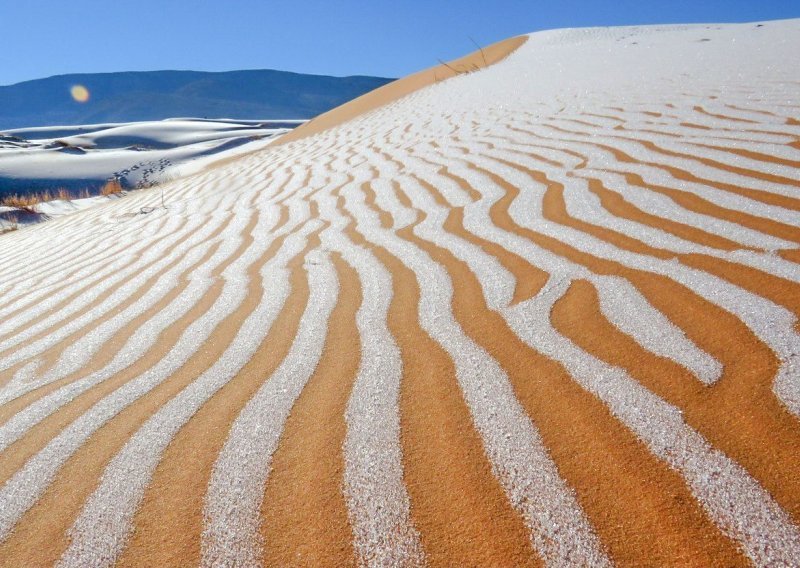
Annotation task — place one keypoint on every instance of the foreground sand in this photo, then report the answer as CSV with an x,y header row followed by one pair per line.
x,y
542,313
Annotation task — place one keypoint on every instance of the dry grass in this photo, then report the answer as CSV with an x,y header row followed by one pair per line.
x,y
112,187
28,201
12,225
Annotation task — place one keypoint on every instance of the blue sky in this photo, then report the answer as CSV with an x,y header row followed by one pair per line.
x,y
345,37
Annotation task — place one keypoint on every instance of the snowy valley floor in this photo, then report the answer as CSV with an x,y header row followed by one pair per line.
x,y
79,160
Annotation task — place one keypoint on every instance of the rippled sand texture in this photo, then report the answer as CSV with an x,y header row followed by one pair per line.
x,y
544,313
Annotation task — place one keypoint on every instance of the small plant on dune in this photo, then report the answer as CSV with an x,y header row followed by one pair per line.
x,y
466,67
28,201
152,184
111,187
483,55
63,194
24,202
12,226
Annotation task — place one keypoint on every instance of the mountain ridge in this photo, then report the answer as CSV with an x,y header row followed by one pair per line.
x,y
153,95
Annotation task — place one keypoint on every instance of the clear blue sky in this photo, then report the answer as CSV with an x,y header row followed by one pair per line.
x,y
337,37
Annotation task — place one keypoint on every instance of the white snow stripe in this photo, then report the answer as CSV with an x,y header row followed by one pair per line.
x,y
624,306
24,488
620,301
773,324
102,528
153,259
740,507
236,489
377,500
142,340
192,249
559,529
33,302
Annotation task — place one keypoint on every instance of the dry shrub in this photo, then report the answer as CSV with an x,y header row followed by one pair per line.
x,y
24,201
111,187
12,225
29,200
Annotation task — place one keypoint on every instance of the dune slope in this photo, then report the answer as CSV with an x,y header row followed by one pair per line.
x,y
544,313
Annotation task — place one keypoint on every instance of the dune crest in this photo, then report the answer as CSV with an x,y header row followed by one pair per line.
x,y
384,95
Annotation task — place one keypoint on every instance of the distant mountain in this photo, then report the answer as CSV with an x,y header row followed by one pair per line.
x,y
154,95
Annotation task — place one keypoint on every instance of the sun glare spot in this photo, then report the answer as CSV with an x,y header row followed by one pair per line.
x,y
79,93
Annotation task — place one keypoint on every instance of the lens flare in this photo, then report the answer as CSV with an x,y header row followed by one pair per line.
x,y
79,93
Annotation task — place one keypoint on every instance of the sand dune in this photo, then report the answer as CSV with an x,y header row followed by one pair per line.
x,y
539,312
138,154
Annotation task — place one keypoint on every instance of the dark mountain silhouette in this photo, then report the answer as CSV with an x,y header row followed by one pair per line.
x,y
153,95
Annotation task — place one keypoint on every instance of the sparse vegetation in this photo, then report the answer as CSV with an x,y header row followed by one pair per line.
x,y
465,68
151,184
28,201
462,69
483,55
12,224
111,187
25,203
